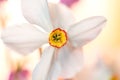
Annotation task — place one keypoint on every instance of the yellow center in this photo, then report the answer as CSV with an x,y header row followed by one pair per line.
x,y
58,38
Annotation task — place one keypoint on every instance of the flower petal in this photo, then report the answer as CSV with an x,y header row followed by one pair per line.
x,y
101,72
61,15
86,30
24,38
55,71
36,12
42,69
71,61
96,71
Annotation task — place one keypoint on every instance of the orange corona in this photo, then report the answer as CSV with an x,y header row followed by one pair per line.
x,y
58,38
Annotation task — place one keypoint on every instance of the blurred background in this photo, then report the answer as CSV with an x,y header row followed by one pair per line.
x,y
106,45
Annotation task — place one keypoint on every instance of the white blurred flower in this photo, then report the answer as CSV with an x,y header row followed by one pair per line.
x,y
101,72
98,71
61,58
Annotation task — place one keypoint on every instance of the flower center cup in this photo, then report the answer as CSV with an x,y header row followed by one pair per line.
x,y
58,38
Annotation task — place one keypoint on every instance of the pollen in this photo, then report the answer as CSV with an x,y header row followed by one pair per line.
x,y
58,38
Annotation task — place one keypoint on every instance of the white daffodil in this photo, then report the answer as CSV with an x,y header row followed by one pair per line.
x,y
61,57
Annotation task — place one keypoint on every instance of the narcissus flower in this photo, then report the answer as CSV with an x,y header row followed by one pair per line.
x,y
61,58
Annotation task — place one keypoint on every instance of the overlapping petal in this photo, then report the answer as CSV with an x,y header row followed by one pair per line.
x,y
24,38
61,16
71,61
36,12
42,69
86,30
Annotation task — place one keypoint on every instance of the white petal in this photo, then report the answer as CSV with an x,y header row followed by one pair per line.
x,y
96,71
55,71
24,38
42,69
101,72
36,12
86,30
61,15
71,61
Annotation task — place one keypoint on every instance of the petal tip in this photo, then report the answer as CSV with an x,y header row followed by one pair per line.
x,y
102,18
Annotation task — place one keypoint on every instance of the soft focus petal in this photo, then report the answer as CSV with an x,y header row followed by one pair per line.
x,y
71,61
61,15
55,71
42,69
36,12
101,72
24,38
86,30
96,71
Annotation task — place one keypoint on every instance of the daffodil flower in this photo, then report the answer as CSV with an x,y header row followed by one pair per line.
x,y
61,33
